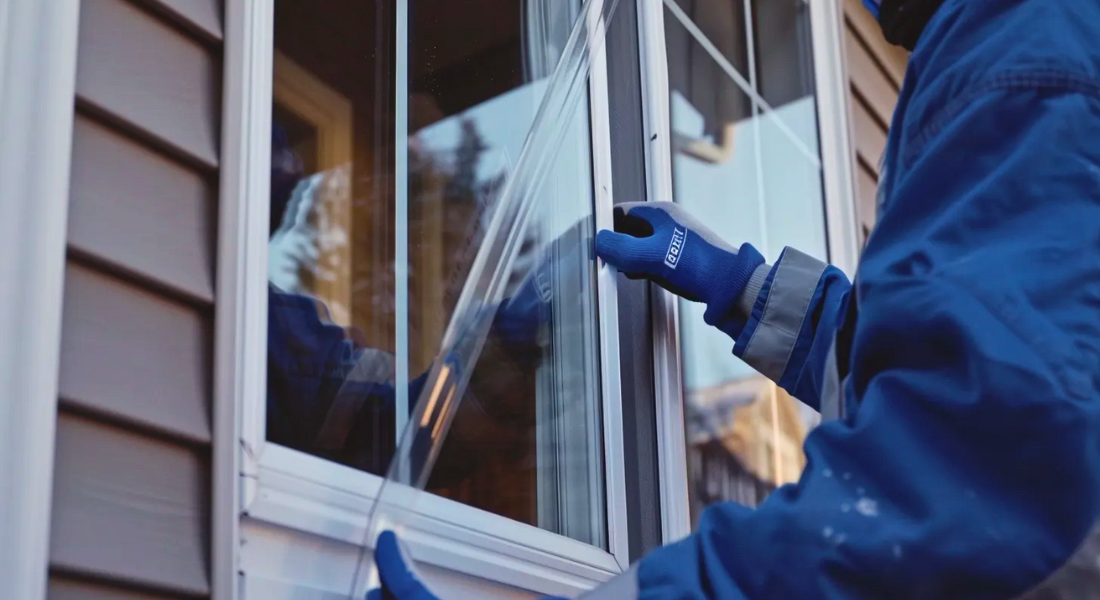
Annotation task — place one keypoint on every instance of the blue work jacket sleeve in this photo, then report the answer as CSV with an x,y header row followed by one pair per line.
x,y
792,323
970,467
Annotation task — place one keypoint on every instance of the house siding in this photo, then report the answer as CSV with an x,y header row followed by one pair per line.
x,y
132,474
875,73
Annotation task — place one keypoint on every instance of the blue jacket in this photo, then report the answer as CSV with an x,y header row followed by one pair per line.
x,y
963,363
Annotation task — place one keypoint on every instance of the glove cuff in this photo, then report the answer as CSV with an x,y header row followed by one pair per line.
x,y
748,296
735,279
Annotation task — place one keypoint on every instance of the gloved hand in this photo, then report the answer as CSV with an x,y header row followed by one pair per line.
x,y
661,242
398,580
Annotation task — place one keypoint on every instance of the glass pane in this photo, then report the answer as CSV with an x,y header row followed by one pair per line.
x,y
783,50
721,23
331,251
526,441
791,178
753,175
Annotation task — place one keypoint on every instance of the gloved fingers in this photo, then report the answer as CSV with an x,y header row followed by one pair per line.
x,y
642,219
625,252
631,224
660,215
394,570
375,594
626,207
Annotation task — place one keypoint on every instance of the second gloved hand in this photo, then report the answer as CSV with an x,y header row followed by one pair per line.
x,y
661,242
398,579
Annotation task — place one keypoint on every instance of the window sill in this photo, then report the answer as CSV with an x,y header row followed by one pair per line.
x,y
314,496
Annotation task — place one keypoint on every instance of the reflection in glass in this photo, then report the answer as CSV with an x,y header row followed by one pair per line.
x,y
746,162
526,442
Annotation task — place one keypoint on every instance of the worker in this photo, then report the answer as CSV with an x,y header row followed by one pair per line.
x,y
962,366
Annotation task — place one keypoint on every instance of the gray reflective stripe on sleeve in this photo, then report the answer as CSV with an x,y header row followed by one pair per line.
x,y
1077,579
620,587
792,288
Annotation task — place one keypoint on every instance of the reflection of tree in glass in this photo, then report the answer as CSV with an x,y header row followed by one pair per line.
x,y
449,182
469,198
490,444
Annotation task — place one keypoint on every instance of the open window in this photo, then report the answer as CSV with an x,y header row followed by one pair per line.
x,y
383,131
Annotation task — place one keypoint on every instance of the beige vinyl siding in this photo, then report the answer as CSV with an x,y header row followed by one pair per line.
x,y
132,475
875,73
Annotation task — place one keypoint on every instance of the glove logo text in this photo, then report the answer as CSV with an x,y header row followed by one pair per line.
x,y
675,247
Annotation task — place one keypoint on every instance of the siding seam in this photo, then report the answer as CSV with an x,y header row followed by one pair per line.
x,y
89,109
210,37
62,573
146,281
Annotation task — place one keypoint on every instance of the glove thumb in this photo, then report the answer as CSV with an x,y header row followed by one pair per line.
x,y
395,572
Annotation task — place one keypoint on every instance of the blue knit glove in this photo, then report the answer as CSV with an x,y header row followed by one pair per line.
x,y
661,242
399,582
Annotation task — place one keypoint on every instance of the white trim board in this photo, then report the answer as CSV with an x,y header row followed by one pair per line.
x,y
303,494
38,56
278,565
241,307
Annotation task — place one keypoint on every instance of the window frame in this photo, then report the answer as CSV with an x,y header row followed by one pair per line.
x,y
841,224
668,380
279,486
36,116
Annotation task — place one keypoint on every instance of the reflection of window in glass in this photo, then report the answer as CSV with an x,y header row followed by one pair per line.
x,y
526,443
311,250
746,162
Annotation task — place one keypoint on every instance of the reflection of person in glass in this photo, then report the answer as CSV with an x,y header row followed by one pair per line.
x,y
331,395
959,374
309,360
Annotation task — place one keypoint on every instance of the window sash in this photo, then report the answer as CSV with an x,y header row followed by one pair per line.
x,y
305,493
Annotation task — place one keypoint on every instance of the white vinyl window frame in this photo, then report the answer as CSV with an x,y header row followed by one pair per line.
x,y
38,57
279,486
842,229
